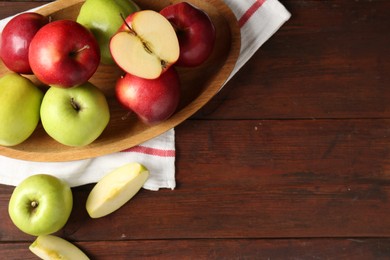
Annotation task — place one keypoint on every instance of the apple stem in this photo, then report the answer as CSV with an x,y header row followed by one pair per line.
x,y
83,48
73,53
75,105
127,25
34,204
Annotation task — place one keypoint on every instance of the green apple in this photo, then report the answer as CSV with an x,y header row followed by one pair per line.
x,y
20,102
54,247
104,18
75,116
115,189
41,204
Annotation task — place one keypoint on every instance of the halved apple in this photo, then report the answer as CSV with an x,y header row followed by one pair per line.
x,y
115,189
50,247
146,44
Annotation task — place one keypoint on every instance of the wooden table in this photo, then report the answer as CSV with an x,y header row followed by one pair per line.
x,y
291,160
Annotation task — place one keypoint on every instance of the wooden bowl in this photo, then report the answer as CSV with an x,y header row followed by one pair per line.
x,y
124,130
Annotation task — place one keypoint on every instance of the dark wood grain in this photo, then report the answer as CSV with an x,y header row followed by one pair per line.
x,y
317,178
291,160
330,60
358,249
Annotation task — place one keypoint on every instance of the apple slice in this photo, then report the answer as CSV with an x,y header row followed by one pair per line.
x,y
146,45
115,189
49,247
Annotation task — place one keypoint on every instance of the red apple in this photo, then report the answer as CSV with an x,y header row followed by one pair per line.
x,y
195,30
146,45
64,54
152,100
15,40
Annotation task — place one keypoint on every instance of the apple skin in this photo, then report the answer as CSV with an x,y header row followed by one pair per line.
x,y
103,18
20,103
148,45
16,38
64,54
152,100
75,116
195,31
41,204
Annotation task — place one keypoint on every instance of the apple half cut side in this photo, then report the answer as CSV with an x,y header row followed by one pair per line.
x,y
146,45
115,189
53,247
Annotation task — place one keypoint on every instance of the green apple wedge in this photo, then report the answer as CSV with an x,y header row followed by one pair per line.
x,y
41,204
75,116
49,247
104,18
115,189
20,102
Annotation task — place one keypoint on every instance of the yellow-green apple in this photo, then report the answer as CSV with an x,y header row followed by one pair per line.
x,y
75,116
103,18
41,204
146,45
20,103
15,40
115,189
54,247
152,100
64,54
195,30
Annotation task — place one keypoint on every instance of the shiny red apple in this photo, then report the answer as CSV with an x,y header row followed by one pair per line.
x,y
16,38
152,100
195,31
64,54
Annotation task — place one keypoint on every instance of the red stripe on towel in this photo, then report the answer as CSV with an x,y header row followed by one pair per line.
x,y
247,15
151,151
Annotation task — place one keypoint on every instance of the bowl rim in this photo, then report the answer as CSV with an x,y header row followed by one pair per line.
x,y
216,83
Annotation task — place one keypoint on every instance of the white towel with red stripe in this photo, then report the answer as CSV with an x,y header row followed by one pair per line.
x,y
258,20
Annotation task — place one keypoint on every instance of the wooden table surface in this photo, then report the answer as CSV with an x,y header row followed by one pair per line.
x,y
291,160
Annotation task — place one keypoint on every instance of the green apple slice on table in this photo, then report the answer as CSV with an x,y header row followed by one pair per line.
x,y
20,103
104,18
75,116
115,189
53,247
41,204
